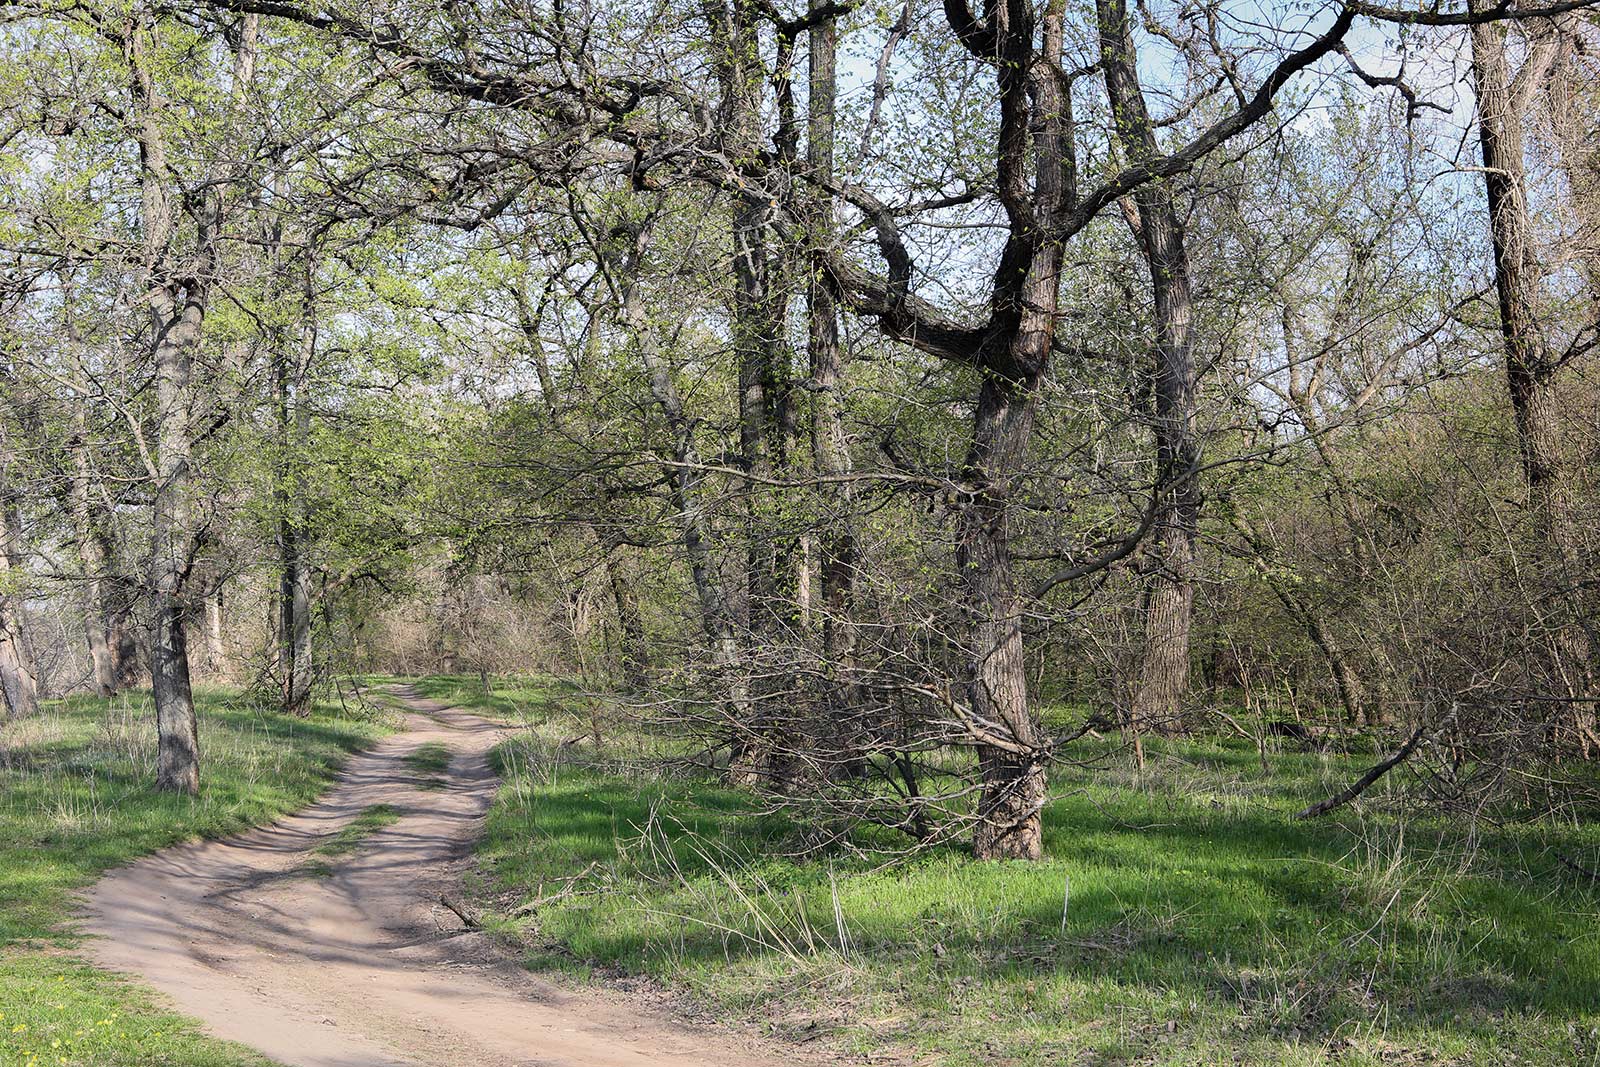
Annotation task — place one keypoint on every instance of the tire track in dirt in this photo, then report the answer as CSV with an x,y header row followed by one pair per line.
x,y
357,965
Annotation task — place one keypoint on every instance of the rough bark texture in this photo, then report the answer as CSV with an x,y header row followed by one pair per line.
x,y
1035,178
177,326
1013,778
1503,98
1163,676
830,447
177,294
766,413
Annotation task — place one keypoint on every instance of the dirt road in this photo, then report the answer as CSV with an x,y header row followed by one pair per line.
x,y
357,964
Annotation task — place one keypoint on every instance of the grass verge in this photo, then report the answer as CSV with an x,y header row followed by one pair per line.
x,y
75,801
1182,918
429,763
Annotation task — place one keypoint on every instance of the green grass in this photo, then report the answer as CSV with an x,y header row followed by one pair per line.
x,y
348,839
507,699
75,801
429,763
1204,925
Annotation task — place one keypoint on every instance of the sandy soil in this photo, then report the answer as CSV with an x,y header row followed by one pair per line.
x,y
364,968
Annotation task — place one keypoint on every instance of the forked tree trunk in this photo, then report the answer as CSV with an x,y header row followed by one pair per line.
x,y
1035,110
1163,679
762,750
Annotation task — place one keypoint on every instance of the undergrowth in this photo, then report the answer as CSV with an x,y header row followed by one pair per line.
x,y
1182,915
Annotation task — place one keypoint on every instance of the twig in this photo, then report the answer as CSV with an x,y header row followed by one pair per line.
x,y
569,890
468,915
1592,875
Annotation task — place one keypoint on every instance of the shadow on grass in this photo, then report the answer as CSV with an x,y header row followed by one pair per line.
x,y
1292,926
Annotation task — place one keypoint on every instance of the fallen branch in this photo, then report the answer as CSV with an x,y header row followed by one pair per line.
x,y
1359,786
1572,865
469,916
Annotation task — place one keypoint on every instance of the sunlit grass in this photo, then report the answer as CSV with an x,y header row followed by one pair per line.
x,y
1182,916
75,801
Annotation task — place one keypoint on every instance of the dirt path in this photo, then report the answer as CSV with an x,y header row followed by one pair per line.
x,y
361,967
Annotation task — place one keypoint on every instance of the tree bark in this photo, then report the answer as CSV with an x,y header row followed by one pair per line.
x,y
635,653
216,645
1163,679
177,298
291,365
1503,98
830,446
177,325
19,683
1035,121
766,418
97,613
1013,778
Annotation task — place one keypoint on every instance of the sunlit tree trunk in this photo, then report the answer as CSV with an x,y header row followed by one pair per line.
x,y
1163,678
177,323
830,447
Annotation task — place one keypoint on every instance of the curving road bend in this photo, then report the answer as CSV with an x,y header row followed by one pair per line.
x,y
362,967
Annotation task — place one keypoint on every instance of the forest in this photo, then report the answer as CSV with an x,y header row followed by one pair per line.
x,y
1053,532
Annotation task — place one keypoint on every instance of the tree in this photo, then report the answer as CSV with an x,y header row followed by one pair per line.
x,y
1531,359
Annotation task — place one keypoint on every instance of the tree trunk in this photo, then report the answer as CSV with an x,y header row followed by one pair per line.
x,y
635,654
1530,370
18,679
177,325
830,446
178,301
1009,825
294,567
1035,118
1163,679
216,647
96,603
121,636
